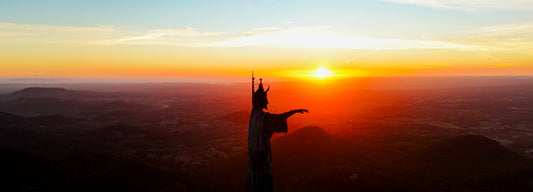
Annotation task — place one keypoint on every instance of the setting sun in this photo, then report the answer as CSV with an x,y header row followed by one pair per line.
x,y
322,72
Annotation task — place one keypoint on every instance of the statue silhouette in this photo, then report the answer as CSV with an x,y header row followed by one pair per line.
x,y
262,126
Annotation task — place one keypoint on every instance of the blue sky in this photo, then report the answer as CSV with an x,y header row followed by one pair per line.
x,y
236,15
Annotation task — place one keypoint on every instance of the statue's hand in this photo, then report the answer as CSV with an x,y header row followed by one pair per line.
x,y
301,111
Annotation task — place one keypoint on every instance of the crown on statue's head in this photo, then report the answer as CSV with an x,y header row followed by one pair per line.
x,y
259,96
261,88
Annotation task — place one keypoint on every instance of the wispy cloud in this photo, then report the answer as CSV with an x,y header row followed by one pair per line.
x,y
510,36
471,4
191,37
310,37
326,37
159,33
289,36
180,37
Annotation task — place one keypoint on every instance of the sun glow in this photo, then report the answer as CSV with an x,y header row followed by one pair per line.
x,y
322,72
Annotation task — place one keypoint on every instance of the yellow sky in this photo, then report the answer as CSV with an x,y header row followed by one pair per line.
x,y
170,61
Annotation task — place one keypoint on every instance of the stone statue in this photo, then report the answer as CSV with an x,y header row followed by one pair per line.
x,y
262,126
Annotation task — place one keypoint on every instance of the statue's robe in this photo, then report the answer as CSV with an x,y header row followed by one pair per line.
x,y
262,126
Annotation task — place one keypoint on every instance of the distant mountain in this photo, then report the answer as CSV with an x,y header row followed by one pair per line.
x,y
38,101
44,92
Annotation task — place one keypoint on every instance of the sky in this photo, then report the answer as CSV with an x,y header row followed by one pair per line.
x,y
280,39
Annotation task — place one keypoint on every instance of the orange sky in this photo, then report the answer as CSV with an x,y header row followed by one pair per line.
x,y
164,61
190,39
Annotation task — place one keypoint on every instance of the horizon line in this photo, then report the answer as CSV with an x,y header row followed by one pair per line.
x,y
207,80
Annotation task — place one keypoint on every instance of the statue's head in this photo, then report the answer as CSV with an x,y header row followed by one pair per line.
x,y
259,98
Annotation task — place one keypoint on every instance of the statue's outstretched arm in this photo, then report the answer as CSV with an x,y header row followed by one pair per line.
x,y
292,112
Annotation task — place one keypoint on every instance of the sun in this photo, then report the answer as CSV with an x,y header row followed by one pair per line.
x,y
322,72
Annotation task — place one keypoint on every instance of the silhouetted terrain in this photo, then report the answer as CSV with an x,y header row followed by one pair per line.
x,y
192,137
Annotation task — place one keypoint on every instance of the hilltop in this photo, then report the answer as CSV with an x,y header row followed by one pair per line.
x,y
440,140
309,159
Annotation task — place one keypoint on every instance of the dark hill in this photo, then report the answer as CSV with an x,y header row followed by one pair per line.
x,y
23,172
477,162
309,159
306,136
128,175
43,121
472,149
7,118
